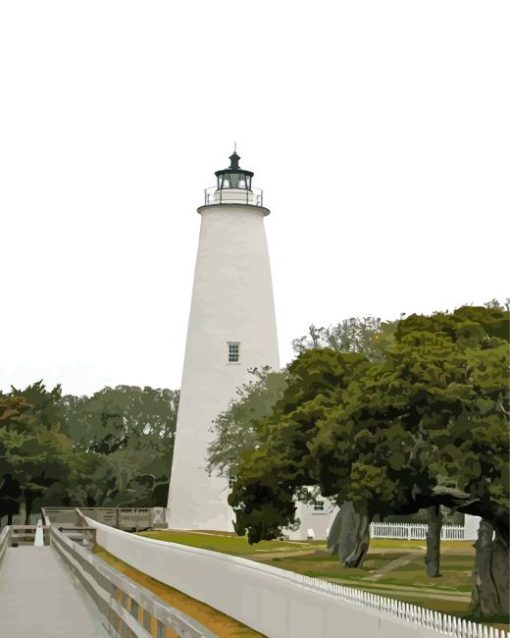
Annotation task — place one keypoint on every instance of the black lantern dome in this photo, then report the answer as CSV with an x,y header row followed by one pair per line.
x,y
234,176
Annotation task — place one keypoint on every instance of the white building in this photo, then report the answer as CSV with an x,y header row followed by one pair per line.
x,y
231,328
315,519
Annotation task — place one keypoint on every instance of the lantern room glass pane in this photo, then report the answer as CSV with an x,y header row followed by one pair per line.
x,y
234,180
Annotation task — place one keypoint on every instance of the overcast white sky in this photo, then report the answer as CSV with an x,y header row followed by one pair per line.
x,y
379,132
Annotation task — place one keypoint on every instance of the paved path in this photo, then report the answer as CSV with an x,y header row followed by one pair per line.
x,y
394,564
38,598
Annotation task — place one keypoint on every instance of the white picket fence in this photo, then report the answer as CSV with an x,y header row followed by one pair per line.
x,y
411,531
416,616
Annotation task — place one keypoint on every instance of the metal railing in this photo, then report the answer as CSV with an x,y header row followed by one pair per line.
x,y
26,534
5,535
127,608
253,197
127,518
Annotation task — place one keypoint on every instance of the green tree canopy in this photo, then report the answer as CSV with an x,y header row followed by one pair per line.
x,y
124,436
34,452
367,335
113,448
236,429
425,425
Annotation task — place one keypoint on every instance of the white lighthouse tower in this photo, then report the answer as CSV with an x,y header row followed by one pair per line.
x,y
231,328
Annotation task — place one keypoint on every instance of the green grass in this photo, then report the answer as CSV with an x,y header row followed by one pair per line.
x,y
387,543
235,545
457,560
455,574
464,547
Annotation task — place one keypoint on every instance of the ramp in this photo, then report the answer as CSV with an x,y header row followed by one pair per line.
x,y
38,598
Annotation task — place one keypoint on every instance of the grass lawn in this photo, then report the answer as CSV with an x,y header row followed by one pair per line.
x,y
392,568
403,569
226,544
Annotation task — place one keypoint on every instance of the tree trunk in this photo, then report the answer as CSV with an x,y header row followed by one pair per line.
x,y
490,596
349,536
432,559
362,542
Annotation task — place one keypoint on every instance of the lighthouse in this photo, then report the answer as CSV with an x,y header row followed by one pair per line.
x,y
231,329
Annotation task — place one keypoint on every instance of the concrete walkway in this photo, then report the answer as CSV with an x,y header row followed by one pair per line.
x,y
38,598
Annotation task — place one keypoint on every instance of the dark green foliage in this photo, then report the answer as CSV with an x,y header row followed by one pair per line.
x,y
113,448
368,336
426,426
265,505
123,438
281,466
237,429
423,422
34,453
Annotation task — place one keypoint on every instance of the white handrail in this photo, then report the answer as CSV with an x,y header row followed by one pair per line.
x,y
214,196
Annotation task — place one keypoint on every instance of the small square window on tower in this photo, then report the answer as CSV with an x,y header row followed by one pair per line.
x,y
233,352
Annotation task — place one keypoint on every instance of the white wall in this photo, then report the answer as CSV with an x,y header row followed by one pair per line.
x,y
319,522
275,602
471,525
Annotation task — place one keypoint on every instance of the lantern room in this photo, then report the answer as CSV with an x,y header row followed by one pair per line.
x,y
234,176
